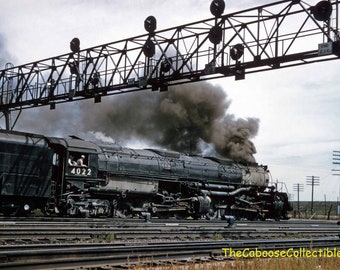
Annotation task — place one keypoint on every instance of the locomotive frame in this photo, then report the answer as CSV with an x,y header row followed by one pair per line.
x,y
124,182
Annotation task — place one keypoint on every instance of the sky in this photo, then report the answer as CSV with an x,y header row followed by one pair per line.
x,y
298,108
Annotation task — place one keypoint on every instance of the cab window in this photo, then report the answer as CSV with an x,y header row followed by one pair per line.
x,y
77,159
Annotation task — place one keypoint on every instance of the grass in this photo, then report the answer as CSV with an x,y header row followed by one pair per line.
x,y
253,264
320,209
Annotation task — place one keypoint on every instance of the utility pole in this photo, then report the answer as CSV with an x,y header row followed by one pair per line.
x,y
336,172
336,161
313,181
298,188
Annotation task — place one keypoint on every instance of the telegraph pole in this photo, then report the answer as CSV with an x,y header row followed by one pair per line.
x,y
298,188
313,181
336,161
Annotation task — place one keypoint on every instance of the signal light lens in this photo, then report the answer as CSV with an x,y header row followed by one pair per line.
x,y
215,34
217,7
75,45
236,51
150,24
322,11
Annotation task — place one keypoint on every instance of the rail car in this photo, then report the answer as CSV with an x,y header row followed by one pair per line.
x,y
37,172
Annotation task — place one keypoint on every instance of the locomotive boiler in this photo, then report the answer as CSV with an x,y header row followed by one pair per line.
x,y
37,172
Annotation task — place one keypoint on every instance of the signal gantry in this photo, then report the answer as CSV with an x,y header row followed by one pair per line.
x,y
268,37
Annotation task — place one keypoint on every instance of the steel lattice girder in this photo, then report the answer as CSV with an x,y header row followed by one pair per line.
x,y
267,37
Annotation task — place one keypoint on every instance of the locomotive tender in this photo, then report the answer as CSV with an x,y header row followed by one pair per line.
x,y
117,181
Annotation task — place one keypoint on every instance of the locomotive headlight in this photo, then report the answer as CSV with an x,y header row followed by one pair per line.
x,y
26,207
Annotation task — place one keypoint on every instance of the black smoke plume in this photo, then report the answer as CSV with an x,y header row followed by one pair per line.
x,y
189,118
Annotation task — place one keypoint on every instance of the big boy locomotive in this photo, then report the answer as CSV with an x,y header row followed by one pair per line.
x,y
39,172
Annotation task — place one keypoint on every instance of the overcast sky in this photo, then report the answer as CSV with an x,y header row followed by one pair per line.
x,y
298,108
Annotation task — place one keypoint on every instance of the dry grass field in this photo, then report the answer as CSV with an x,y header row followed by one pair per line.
x,y
254,264
321,210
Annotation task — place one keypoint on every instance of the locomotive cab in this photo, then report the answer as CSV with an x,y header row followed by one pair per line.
x,y
77,172
83,171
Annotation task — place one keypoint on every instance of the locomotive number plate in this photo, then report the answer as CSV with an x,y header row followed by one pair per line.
x,y
80,171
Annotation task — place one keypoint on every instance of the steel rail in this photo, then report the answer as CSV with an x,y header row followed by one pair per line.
x,y
52,256
27,232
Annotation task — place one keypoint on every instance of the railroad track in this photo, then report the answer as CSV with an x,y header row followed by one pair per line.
x,y
73,243
87,256
47,232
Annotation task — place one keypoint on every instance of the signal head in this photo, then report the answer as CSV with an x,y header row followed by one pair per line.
x,y
322,11
150,24
217,7
75,45
236,51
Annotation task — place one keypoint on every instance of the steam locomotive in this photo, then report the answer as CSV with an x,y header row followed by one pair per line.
x,y
36,172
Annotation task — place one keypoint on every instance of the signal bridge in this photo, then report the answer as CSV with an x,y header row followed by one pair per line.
x,y
268,37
